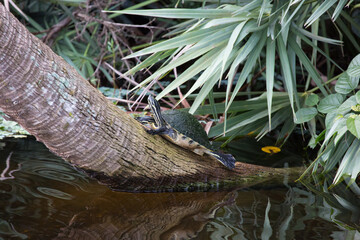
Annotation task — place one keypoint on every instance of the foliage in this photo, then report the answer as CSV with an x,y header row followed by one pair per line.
x,y
340,140
338,203
248,42
11,129
221,39
87,39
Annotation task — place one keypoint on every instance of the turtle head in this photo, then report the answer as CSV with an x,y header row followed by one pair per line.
x,y
155,108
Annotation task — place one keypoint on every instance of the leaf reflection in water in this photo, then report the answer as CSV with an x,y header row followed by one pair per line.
x,y
3,173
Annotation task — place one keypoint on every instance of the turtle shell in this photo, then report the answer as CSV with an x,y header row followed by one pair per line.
x,y
188,125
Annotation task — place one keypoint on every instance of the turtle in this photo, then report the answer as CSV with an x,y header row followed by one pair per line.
x,y
182,129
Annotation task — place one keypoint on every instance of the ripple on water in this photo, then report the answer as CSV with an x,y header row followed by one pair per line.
x,y
53,170
49,199
8,230
55,193
55,175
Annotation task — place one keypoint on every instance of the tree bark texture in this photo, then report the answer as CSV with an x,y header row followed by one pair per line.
x,y
47,97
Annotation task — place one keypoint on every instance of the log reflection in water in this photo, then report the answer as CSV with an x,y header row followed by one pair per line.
x,y
146,216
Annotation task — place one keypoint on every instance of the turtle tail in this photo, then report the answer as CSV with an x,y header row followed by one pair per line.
x,y
226,159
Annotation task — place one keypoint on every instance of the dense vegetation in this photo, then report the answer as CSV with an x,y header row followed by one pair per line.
x,y
254,67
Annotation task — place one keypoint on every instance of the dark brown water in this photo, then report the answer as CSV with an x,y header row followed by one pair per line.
x,y
42,197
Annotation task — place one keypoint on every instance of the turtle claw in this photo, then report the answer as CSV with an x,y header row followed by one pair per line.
x,y
145,120
227,160
151,131
161,130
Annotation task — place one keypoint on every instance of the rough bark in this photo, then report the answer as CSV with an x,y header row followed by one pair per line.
x,y
46,96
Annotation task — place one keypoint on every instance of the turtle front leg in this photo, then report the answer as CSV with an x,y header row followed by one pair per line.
x,y
145,120
157,131
227,160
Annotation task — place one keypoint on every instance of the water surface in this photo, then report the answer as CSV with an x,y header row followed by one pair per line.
x,y
43,197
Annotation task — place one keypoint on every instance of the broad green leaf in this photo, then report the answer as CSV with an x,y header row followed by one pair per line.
x,y
286,130
325,154
243,119
348,33
305,114
346,106
353,125
230,45
191,54
350,163
312,143
248,66
250,28
330,118
284,30
181,27
203,46
312,128
354,67
315,31
211,75
204,91
212,105
222,21
299,34
330,103
286,24
179,13
338,124
181,40
292,61
154,58
338,153
248,8
302,32
312,100
242,54
287,71
342,130
338,9
319,11
357,95
249,117
346,84
242,106
270,71
278,118
200,64
243,131
265,7
307,64
211,71
352,20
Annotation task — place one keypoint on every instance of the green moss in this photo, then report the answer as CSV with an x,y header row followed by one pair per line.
x,y
11,129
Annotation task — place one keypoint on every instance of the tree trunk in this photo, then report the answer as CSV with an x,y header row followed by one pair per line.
x,y
47,97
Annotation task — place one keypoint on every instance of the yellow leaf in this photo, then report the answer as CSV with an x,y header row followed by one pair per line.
x,y
270,149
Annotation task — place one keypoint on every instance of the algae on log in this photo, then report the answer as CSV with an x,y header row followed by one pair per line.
x,y
47,97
